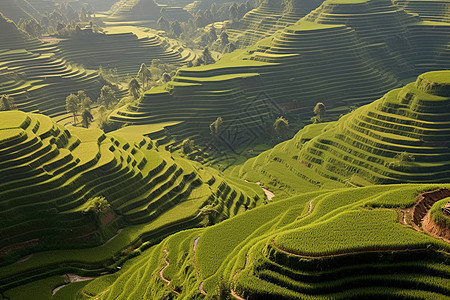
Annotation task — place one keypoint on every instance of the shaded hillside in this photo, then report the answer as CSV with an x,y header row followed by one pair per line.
x,y
341,63
145,10
431,10
38,80
402,137
330,244
267,18
41,75
372,141
18,9
52,174
124,51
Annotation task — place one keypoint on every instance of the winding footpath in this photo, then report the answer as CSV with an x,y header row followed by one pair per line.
x,y
268,193
161,273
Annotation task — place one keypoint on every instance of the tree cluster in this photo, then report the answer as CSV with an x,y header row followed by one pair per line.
x,y
199,31
7,103
64,20
80,102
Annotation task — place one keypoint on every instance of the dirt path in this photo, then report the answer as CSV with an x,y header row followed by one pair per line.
x,y
193,256
310,206
236,296
161,273
23,259
72,278
200,287
268,193
102,293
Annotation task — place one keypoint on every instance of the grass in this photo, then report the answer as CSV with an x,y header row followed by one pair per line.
x,y
41,289
329,55
364,147
438,216
64,167
256,253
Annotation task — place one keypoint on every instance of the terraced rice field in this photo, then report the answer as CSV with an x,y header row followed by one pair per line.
x,y
50,172
39,76
36,77
144,10
342,53
399,138
318,245
368,142
123,49
267,18
430,10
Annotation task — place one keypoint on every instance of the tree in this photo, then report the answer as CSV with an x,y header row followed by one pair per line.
x,y
216,126
7,103
134,88
187,145
234,11
403,157
198,62
224,38
230,47
107,96
144,75
166,77
163,24
86,118
97,205
84,100
175,28
400,160
207,57
319,111
72,106
281,126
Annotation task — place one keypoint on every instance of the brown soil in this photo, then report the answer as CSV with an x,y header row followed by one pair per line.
x,y
17,246
425,201
107,218
268,193
435,230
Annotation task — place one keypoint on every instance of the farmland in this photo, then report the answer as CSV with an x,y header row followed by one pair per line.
x,y
180,149
361,66
285,250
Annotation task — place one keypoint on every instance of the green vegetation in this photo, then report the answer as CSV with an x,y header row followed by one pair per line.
x,y
437,214
182,179
332,54
257,254
7,103
66,175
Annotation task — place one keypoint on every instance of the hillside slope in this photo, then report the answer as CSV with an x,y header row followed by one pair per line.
x,y
38,80
267,18
431,10
18,9
344,53
331,244
51,174
145,10
402,137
